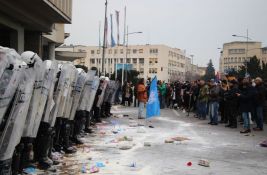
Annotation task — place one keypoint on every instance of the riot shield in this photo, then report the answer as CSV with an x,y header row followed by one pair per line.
x,y
43,83
101,96
110,90
60,94
70,97
13,128
8,84
86,91
94,88
77,92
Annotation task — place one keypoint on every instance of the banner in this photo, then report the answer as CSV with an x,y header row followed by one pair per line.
x,y
153,107
111,32
118,27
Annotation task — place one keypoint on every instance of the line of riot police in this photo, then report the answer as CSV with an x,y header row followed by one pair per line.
x,y
44,107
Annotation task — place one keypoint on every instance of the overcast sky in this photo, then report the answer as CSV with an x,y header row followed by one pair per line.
x,y
198,26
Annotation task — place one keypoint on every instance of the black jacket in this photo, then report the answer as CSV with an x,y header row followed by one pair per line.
x,y
260,95
246,99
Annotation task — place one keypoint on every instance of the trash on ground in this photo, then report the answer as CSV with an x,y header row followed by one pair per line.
x,y
29,170
83,170
100,164
189,163
150,126
179,138
118,116
94,169
264,143
141,130
140,124
132,165
125,138
125,115
169,141
148,144
125,147
133,124
203,162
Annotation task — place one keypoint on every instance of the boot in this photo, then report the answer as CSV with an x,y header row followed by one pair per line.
x,y
43,143
74,133
57,142
5,167
66,131
27,154
16,167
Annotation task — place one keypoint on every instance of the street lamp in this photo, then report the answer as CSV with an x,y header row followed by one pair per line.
x,y
247,38
126,55
105,38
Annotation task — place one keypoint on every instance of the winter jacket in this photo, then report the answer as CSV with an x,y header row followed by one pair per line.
x,y
141,93
214,93
246,99
260,95
203,94
162,89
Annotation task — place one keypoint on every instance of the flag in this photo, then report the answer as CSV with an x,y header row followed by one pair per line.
x,y
106,32
111,32
118,27
152,107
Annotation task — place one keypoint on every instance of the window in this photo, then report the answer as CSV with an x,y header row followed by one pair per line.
x,y
128,60
141,51
236,51
128,51
153,50
141,71
110,51
98,51
141,60
115,51
121,51
92,61
92,52
121,60
111,61
134,51
156,60
135,60
264,51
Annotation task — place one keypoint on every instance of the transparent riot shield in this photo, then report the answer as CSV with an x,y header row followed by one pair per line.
x,y
13,128
70,97
49,86
61,93
86,91
77,91
43,83
101,97
94,88
9,83
110,91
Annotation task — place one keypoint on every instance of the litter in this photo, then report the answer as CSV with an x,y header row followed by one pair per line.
x,y
203,162
125,147
150,126
133,124
83,170
94,169
148,144
29,170
133,165
100,165
125,138
125,115
264,143
189,163
169,141
179,138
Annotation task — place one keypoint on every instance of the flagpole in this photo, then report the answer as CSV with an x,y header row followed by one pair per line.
x,y
124,42
99,45
104,40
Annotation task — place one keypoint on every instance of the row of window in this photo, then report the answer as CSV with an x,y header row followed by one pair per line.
x,y
174,54
236,51
117,60
118,51
234,60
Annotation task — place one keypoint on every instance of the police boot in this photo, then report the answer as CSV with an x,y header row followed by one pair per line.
x,y
27,154
57,142
16,166
66,131
76,131
87,121
44,138
5,167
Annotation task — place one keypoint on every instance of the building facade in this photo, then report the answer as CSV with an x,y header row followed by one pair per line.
x,y
149,60
36,25
233,54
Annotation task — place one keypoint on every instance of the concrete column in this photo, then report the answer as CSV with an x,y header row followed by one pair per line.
x,y
33,41
51,51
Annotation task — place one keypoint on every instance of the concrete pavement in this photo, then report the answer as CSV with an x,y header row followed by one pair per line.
x,y
228,151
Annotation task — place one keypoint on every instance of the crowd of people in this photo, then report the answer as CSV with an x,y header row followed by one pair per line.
x,y
226,101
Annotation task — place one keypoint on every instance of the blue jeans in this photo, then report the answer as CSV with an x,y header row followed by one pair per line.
x,y
213,111
202,109
259,117
245,116
141,109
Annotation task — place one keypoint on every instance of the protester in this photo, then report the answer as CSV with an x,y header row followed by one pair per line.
x,y
203,100
260,100
213,102
142,97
